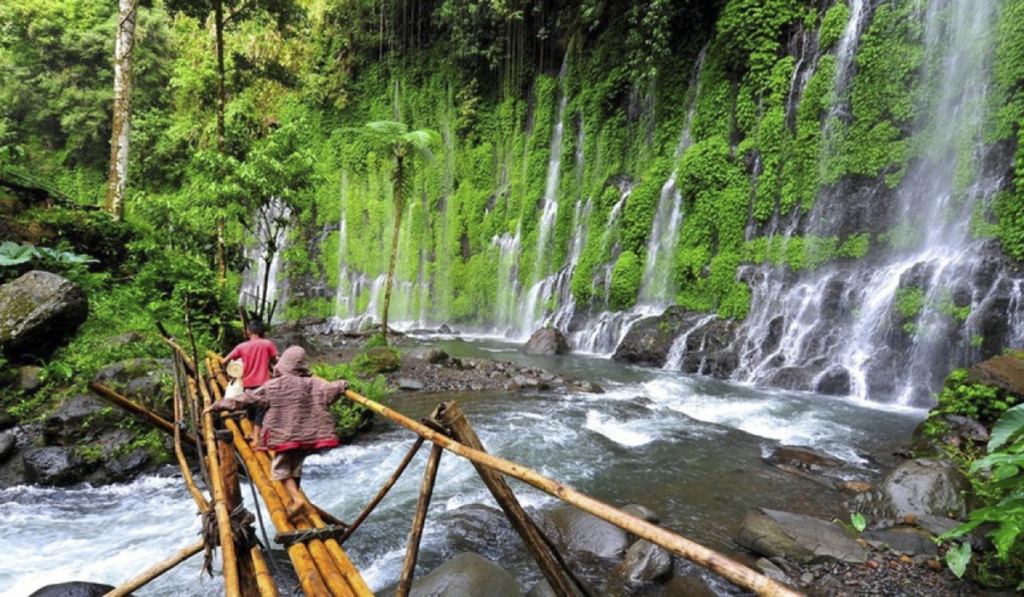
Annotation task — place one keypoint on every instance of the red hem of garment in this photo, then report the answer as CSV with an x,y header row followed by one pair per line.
x,y
317,445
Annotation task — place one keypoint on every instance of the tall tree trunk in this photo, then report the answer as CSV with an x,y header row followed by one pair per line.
x,y
399,187
218,25
117,179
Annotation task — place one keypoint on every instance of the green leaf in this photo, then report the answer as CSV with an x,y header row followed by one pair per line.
x,y
1011,423
958,557
15,254
858,521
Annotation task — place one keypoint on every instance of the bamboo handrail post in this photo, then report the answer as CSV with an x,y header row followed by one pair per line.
x,y
189,364
450,416
186,472
383,490
412,548
149,575
227,543
723,566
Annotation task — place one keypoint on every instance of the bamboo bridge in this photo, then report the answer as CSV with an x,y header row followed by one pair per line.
x,y
314,541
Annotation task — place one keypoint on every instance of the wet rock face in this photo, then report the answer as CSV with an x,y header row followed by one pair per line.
x,y
39,312
467,575
547,341
73,589
917,487
709,343
1005,372
797,537
580,533
53,466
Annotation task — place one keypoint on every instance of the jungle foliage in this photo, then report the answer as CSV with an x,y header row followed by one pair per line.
x,y
749,107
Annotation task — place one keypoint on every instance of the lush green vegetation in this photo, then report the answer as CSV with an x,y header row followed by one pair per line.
x,y
996,478
715,94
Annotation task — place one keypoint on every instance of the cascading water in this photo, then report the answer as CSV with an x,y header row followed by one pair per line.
x,y
508,280
542,288
606,330
262,284
890,329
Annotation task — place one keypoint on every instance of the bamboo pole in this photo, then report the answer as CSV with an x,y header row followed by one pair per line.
x,y
154,572
450,416
189,364
696,553
383,490
264,580
412,548
233,494
186,471
309,576
126,404
227,542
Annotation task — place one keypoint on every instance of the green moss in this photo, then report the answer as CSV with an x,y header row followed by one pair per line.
x,y
832,25
625,285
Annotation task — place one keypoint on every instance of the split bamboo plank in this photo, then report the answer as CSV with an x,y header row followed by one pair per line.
x,y
300,555
154,572
700,555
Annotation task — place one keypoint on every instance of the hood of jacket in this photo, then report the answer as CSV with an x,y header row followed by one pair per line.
x,y
292,362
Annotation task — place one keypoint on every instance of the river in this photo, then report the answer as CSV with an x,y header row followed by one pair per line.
x,y
689,448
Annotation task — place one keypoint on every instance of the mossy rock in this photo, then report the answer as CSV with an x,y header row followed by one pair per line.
x,y
382,359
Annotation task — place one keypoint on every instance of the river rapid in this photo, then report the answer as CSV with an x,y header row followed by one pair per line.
x,y
689,448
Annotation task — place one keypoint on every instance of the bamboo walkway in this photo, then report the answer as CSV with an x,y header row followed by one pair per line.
x,y
314,542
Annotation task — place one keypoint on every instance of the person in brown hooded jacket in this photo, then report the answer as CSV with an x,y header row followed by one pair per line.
x,y
297,423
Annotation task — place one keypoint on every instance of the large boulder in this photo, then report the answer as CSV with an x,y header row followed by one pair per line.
x,y
79,419
706,343
147,382
797,537
1005,372
547,341
577,532
39,312
645,564
73,589
467,575
54,466
921,486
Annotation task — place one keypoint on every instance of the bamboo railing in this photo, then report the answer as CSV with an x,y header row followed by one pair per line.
x,y
314,547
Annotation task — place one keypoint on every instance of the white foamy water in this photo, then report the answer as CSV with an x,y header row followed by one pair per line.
x,y
653,437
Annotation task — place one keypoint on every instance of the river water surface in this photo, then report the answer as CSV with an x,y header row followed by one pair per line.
x,y
689,448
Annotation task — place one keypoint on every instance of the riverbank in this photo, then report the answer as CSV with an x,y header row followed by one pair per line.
x,y
641,441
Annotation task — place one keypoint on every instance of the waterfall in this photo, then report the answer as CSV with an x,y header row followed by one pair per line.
x,y
847,44
674,360
509,289
890,329
655,287
269,232
607,329
541,287
344,305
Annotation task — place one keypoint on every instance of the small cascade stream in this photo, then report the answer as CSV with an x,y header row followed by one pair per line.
x,y
270,229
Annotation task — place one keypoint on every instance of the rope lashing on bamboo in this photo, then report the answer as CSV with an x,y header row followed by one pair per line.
x,y
303,535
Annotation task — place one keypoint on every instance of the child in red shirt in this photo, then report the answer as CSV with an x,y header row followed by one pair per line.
x,y
258,355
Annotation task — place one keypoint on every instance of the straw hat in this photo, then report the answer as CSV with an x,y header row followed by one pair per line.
x,y
235,368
